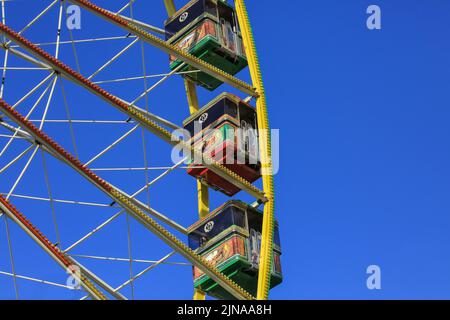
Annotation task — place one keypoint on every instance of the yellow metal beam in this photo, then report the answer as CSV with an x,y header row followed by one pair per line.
x,y
170,7
203,199
203,191
266,256
191,93
199,295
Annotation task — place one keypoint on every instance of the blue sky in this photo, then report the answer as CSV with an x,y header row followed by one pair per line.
x,y
364,176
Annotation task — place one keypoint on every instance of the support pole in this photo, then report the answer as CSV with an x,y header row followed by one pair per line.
x,y
170,7
199,295
203,191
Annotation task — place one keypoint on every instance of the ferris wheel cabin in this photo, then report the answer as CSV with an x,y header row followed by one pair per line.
x,y
230,239
225,130
207,29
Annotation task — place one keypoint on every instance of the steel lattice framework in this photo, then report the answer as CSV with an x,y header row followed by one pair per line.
x,y
25,137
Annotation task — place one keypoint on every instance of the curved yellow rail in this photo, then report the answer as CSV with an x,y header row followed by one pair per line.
x,y
266,256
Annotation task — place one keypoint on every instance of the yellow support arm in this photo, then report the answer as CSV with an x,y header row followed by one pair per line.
x,y
170,7
203,191
266,256
199,295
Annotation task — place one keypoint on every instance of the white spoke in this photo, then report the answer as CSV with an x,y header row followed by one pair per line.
x,y
139,168
140,274
121,52
94,231
112,145
85,121
5,62
25,68
37,280
125,7
146,92
69,119
20,156
9,136
130,255
37,17
50,196
22,173
145,77
142,24
26,96
146,261
26,117
81,203
11,256
91,40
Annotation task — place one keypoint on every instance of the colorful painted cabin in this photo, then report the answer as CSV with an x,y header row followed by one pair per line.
x,y
226,131
230,238
207,29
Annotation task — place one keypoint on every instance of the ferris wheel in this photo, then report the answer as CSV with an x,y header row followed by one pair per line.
x,y
141,147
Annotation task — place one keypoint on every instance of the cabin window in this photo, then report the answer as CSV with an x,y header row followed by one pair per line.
x,y
211,7
228,217
276,237
230,108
